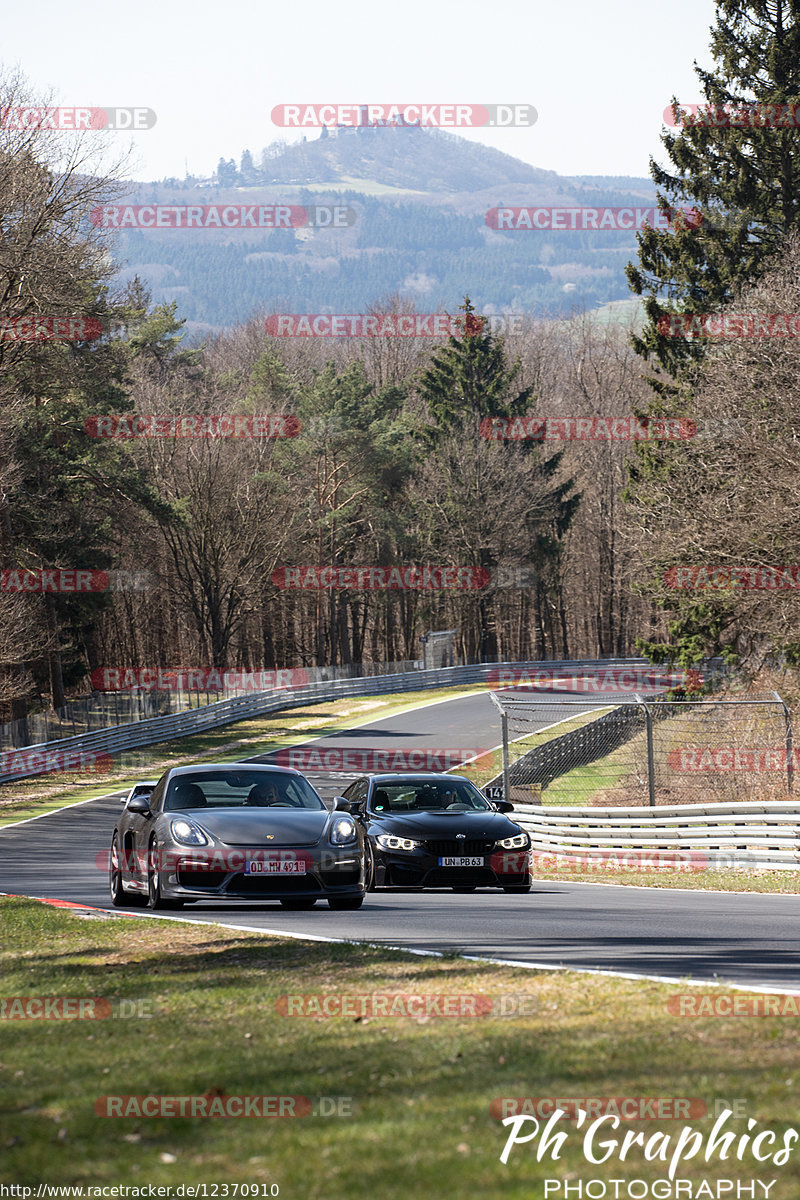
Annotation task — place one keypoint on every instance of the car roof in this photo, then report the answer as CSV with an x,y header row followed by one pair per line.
x,y
192,768
428,776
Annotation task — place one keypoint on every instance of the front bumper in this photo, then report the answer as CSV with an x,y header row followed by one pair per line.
x,y
232,875
422,868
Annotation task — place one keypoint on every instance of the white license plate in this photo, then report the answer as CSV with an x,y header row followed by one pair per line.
x,y
460,862
288,866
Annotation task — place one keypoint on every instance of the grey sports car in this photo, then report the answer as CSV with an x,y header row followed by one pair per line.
x,y
235,831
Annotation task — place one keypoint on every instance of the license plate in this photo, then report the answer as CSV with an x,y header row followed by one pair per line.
x,y
287,866
460,862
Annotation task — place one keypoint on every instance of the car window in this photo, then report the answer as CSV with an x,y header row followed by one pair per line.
x,y
240,789
418,795
357,791
158,794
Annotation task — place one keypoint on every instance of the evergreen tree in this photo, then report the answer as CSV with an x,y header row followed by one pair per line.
x,y
468,382
75,496
227,175
469,377
734,162
247,168
742,179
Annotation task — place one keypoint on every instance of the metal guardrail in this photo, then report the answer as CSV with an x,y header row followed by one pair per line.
x,y
689,837
81,751
187,689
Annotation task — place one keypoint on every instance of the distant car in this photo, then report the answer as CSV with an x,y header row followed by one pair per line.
x,y
438,831
143,788
235,831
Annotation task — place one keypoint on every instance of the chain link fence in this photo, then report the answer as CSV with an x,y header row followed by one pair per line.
x,y
645,752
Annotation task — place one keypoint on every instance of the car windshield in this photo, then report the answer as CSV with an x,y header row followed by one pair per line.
x,y
240,789
421,795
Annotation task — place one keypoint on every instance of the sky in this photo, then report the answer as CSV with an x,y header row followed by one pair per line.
x,y
599,74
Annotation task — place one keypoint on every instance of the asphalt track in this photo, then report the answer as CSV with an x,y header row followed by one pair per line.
x,y
750,940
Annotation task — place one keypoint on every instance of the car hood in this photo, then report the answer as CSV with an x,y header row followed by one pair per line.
x,y
260,826
425,825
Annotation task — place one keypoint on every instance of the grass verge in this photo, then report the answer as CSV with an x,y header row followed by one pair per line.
x,y
786,882
488,766
419,1090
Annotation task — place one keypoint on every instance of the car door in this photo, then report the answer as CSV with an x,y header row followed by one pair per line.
x,y
137,837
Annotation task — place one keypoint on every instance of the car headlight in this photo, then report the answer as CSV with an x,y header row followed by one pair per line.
x,y
520,841
390,841
187,834
343,831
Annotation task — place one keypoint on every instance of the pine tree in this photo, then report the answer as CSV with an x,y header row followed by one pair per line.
x,y
469,376
247,168
734,162
227,175
742,179
466,383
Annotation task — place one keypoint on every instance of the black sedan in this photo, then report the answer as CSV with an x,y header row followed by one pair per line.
x,y
438,831
235,831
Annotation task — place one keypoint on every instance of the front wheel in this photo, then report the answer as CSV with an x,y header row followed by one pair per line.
x,y
369,866
154,897
119,897
345,902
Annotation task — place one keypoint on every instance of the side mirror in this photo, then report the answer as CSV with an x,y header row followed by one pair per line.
x,y
503,805
140,804
340,804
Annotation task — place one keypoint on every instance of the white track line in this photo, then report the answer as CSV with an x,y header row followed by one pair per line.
x,y
52,812
481,958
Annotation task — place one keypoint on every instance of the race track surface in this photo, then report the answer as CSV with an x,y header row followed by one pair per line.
x,y
747,939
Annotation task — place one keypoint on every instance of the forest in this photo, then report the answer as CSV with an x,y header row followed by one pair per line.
x,y
573,488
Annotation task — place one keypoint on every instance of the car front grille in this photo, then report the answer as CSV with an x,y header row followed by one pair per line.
x,y
201,879
340,878
461,848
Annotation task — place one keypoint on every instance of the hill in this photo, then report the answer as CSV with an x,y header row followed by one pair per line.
x,y
418,201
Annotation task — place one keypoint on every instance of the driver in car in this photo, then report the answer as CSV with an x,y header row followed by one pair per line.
x,y
263,794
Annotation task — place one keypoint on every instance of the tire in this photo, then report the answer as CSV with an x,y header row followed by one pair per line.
x,y
119,897
154,897
345,902
518,888
369,854
299,901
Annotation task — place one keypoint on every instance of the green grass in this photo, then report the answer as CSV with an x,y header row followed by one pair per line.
x,y
624,770
488,766
421,1089
577,787
786,882
365,187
